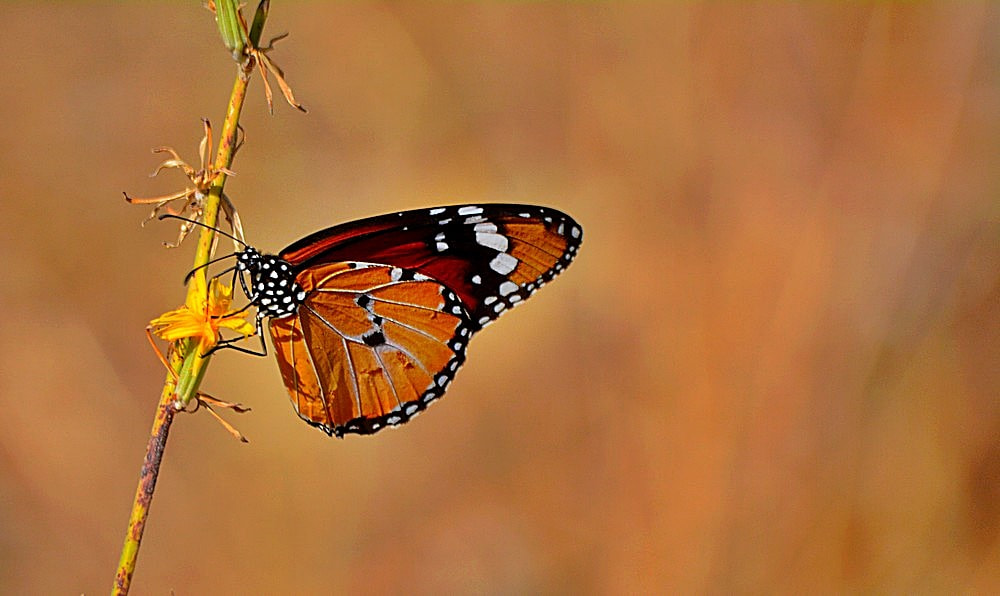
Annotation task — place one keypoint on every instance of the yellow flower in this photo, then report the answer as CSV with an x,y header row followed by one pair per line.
x,y
202,319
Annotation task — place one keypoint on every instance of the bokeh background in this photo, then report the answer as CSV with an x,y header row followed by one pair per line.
x,y
773,368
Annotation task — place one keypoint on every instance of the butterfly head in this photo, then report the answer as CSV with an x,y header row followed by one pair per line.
x,y
248,260
275,291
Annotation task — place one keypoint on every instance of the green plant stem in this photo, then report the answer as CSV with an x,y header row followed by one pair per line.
x,y
190,375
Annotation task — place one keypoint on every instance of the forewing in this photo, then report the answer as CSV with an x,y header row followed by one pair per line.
x,y
493,256
370,346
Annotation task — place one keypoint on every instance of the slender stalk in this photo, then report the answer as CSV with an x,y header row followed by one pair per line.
x,y
186,376
144,492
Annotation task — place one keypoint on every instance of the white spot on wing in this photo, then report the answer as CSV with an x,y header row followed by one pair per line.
x,y
485,227
507,287
436,211
494,241
470,210
503,263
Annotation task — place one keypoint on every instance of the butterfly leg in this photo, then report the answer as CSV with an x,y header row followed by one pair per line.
x,y
230,343
243,283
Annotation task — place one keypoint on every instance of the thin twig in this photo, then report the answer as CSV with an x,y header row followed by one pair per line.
x,y
144,493
190,376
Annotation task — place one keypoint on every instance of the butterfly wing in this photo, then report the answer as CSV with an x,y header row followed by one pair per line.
x,y
370,346
492,256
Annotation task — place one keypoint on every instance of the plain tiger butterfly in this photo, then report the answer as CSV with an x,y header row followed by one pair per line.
x,y
370,319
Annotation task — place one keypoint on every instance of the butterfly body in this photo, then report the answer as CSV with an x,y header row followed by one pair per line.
x,y
275,291
370,320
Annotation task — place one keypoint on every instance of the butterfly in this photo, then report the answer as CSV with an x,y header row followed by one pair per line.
x,y
371,319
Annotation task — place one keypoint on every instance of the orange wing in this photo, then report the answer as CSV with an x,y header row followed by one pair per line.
x,y
370,346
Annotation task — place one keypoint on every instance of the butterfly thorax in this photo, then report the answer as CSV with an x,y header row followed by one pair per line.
x,y
275,292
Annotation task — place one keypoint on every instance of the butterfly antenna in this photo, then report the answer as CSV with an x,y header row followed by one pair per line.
x,y
191,273
204,225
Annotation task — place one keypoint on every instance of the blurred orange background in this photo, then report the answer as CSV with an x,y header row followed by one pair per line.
x,y
773,368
